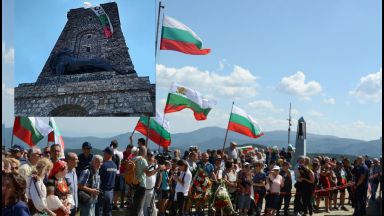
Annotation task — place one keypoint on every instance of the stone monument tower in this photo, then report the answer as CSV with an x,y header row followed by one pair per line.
x,y
301,139
88,72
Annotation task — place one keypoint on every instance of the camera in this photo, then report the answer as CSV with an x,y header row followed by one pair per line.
x,y
162,157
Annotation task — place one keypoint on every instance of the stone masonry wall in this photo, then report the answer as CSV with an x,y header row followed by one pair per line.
x,y
120,95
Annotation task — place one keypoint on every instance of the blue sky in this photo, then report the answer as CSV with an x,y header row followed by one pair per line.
x,y
323,56
38,26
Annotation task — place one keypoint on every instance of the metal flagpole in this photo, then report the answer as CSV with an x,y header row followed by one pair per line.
x,y
157,29
289,124
226,133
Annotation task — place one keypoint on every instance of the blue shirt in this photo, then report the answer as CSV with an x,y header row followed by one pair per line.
x,y
362,170
84,178
107,175
208,168
260,177
84,163
72,179
18,209
164,180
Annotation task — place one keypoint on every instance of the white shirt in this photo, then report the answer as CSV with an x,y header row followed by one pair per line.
x,y
150,181
120,155
53,202
277,183
184,188
25,170
37,193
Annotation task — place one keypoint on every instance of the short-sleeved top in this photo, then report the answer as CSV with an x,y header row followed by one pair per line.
x,y
141,164
18,209
150,181
107,175
84,179
53,202
164,180
232,153
362,170
259,178
84,163
187,176
207,167
275,183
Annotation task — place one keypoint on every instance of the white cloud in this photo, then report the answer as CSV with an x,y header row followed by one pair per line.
x,y
295,85
8,54
264,105
316,113
331,101
369,87
239,83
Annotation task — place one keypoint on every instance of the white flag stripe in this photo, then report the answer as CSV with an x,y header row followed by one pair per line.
x,y
173,23
40,125
194,96
160,118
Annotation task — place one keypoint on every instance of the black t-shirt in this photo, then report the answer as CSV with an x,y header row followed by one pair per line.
x,y
107,175
362,170
84,163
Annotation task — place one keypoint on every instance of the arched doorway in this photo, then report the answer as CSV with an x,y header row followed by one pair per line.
x,y
69,110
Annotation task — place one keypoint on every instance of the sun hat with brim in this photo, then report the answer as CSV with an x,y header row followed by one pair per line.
x,y
233,143
276,168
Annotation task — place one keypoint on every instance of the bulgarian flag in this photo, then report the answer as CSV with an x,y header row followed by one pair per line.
x,y
241,122
104,21
181,97
178,37
158,129
55,135
245,149
30,129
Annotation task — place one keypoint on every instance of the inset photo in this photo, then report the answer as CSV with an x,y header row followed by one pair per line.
x,y
85,59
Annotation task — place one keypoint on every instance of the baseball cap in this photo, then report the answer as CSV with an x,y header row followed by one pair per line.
x,y
108,150
87,145
234,143
149,152
276,168
16,148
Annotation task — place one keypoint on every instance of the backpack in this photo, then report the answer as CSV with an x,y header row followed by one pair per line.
x,y
130,173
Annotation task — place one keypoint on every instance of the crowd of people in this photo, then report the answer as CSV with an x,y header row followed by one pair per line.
x,y
256,182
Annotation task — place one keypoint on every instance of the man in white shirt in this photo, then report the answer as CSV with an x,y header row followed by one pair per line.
x,y
34,154
72,161
116,158
182,187
150,182
232,151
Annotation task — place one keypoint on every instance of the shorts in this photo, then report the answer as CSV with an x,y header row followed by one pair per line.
x,y
342,190
123,185
244,201
117,183
272,201
165,194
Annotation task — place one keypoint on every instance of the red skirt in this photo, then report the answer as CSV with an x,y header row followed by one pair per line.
x,y
324,182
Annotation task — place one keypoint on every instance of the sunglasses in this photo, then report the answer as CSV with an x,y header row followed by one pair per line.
x,y
47,152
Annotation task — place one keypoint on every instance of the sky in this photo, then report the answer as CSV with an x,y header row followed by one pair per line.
x,y
39,25
324,57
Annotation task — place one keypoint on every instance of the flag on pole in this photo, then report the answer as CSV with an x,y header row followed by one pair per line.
x,y
158,129
104,21
243,123
30,129
181,97
55,135
245,149
178,37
